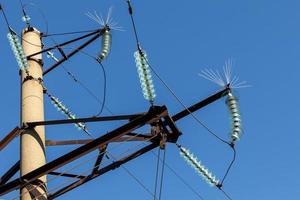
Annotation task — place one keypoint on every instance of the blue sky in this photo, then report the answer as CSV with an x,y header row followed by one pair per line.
x,y
181,39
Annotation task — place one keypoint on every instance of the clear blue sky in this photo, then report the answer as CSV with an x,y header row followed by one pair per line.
x,y
181,39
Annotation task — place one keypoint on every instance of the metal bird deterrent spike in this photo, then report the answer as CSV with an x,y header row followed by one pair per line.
x,y
226,79
108,24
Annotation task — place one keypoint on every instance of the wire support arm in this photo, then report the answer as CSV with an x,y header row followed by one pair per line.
x,y
85,120
154,114
10,173
9,137
66,57
200,104
97,32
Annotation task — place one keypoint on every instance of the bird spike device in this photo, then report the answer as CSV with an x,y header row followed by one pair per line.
x,y
108,24
226,79
64,110
198,166
145,75
18,50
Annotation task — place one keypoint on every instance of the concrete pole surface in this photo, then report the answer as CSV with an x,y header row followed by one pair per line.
x,y
32,141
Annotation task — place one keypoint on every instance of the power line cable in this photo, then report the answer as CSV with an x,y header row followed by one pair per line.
x,y
230,165
5,18
157,173
181,178
139,182
226,194
162,173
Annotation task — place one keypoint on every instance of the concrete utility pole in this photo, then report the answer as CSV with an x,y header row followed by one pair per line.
x,y
33,140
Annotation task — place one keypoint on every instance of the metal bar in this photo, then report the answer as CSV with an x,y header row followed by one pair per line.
x,y
66,175
10,173
154,114
9,137
85,120
103,170
175,131
72,53
66,142
66,43
77,142
99,159
34,193
200,104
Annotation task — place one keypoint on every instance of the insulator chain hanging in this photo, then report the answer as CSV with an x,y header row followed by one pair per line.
x,y
18,50
198,166
145,76
106,45
64,110
236,122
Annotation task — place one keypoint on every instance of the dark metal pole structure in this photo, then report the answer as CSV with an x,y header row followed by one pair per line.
x,y
154,114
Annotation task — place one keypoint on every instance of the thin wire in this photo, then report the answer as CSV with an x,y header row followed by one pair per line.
x,y
181,178
104,89
82,163
157,172
130,10
5,18
230,165
68,33
162,174
139,181
226,194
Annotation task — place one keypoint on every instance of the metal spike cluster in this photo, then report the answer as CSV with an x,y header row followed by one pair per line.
x,y
18,50
198,166
145,75
61,107
236,129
